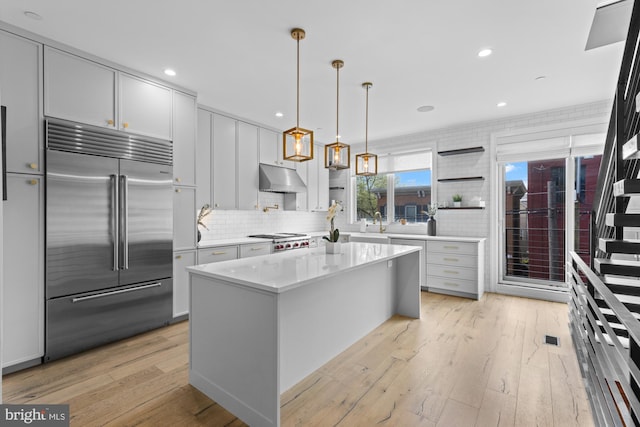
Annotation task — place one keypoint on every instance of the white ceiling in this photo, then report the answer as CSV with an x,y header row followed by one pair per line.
x,y
240,58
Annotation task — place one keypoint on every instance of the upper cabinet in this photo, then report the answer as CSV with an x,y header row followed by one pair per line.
x,y
145,107
21,87
79,90
84,91
224,162
204,173
271,149
184,139
247,166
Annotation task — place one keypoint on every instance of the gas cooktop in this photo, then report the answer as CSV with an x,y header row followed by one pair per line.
x,y
278,236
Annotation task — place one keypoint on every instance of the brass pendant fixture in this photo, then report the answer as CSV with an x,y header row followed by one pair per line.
x,y
366,163
337,155
297,142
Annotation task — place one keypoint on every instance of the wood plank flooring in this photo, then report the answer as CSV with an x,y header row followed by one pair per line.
x,y
465,363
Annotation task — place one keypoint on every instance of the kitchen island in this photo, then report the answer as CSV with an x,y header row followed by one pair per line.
x,y
260,325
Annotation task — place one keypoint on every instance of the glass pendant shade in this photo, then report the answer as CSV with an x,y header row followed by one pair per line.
x,y
337,156
366,164
298,144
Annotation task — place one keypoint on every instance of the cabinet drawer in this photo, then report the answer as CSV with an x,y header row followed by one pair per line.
x,y
452,284
453,260
452,272
255,250
453,247
221,253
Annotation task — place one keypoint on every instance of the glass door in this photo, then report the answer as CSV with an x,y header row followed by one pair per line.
x,y
534,221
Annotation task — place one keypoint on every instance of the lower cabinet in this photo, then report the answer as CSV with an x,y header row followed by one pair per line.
x,y
455,268
23,271
181,260
217,254
255,249
422,244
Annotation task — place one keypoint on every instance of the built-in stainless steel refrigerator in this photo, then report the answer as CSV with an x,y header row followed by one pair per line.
x,y
109,233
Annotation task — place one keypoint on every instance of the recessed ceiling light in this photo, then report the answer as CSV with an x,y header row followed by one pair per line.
x,y
279,114
32,15
502,104
426,108
485,52
169,72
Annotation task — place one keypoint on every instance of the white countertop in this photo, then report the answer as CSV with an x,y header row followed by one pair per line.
x,y
288,270
417,237
234,241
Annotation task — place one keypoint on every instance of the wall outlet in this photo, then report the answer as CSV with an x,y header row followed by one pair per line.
x,y
390,263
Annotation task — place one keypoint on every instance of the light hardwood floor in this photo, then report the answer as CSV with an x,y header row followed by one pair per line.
x,y
465,363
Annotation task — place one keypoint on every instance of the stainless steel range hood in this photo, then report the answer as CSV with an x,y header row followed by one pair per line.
x,y
280,180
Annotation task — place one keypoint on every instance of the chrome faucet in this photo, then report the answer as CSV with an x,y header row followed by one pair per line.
x,y
379,215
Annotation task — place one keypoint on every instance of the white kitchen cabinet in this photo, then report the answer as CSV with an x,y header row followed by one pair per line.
x,y
184,139
181,260
23,271
247,166
224,162
204,174
217,254
21,88
184,218
423,263
79,90
317,182
455,268
254,249
271,149
145,107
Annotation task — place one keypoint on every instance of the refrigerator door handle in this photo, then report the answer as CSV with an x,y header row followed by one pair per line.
x,y
124,220
119,291
115,220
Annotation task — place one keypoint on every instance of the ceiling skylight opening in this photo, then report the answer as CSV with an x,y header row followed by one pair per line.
x,y
170,72
485,52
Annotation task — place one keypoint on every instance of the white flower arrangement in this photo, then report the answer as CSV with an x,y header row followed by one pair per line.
x,y
204,211
334,234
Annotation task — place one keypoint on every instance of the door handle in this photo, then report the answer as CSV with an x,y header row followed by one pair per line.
x,y
120,291
113,179
124,220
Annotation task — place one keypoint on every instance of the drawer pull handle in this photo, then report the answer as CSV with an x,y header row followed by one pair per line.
x,y
451,259
218,253
257,249
178,256
177,179
110,122
32,181
125,125
122,291
450,247
451,271
178,190
33,165
450,284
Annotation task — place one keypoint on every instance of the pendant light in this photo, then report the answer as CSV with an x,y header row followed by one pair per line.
x,y
297,142
337,155
366,163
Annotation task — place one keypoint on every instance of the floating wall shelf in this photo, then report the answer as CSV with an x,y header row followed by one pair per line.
x,y
466,178
452,208
461,151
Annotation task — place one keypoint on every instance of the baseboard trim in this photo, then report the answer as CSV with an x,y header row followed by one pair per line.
x,y
536,293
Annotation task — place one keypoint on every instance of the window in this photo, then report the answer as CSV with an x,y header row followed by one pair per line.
x,y
403,192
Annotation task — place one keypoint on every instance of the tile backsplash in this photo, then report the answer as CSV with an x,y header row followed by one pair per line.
x,y
228,224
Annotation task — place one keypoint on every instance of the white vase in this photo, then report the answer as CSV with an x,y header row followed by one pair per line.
x,y
333,247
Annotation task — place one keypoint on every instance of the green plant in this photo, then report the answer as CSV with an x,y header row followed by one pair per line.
x,y
457,198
